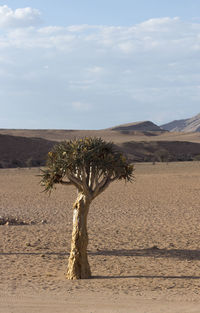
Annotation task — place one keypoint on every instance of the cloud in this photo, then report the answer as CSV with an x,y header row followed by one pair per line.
x,y
80,106
159,24
95,70
118,74
81,28
163,35
21,17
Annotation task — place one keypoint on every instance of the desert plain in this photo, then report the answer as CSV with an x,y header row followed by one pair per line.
x,y
144,244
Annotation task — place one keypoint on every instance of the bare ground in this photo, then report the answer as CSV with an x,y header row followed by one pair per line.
x,y
144,246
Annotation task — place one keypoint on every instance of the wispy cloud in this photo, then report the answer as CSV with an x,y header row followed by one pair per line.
x,y
96,70
126,72
81,106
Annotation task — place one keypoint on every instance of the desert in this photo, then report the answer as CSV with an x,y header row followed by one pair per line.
x,y
143,244
99,156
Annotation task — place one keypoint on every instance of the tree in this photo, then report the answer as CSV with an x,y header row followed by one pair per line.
x,y
90,164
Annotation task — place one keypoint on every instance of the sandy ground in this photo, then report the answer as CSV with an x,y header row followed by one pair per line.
x,y
144,248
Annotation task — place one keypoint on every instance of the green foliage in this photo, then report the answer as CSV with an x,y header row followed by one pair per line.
x,y
85,161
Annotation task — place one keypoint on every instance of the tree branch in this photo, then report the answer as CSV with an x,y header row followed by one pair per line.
x,y
84,180
88,169
100,187
77,182
92,177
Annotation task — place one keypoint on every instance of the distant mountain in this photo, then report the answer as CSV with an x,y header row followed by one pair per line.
x,y
144,126
186,125
30,152
141,142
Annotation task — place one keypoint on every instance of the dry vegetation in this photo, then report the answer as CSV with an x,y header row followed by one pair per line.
x,y
144,237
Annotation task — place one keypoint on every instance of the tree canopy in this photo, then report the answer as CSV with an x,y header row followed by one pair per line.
x,y
90,164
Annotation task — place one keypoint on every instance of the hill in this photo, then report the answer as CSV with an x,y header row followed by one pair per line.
x,y
23,152
186,125
141,141
18,151
161,151
145,126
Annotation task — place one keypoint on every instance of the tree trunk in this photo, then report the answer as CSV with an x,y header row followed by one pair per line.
x,y
78,266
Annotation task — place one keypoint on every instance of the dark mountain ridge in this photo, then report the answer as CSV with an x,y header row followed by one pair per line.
x,y
23,152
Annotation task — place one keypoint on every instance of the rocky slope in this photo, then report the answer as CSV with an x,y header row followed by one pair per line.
x,y
185,125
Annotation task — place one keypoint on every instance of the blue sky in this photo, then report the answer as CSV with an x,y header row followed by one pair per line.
x,y
108,12
94,64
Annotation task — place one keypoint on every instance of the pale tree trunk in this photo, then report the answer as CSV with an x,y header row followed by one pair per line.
x,y
78,266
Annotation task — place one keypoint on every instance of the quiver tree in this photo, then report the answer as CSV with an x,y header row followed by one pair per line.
x,y
90,164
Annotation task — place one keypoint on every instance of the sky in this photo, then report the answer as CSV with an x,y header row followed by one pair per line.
x,y
94,64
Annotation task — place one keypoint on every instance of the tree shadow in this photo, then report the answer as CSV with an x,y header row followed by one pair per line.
x,y
155,252
147,277
35,253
